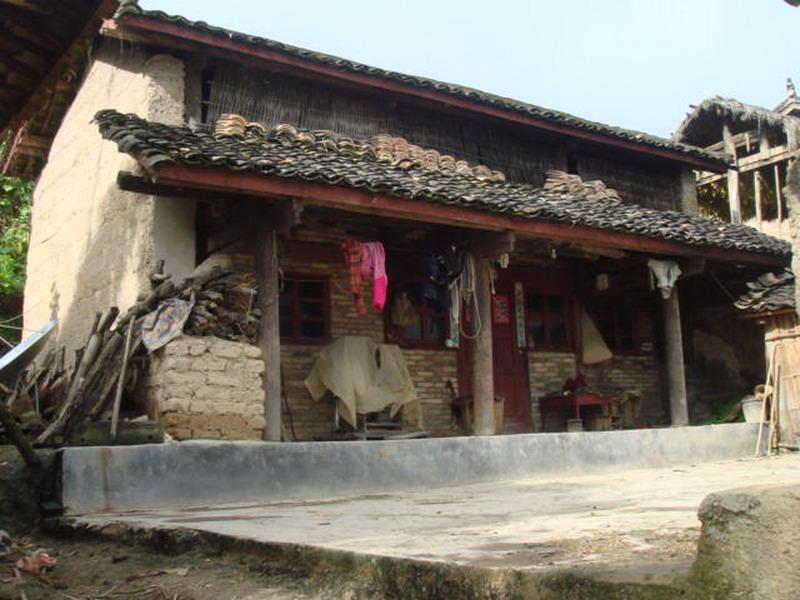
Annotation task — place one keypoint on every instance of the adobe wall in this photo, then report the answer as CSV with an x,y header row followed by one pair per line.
x,y
207,388
93,245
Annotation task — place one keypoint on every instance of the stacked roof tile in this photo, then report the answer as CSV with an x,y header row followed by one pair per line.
x,y
768,293
324,157
129,8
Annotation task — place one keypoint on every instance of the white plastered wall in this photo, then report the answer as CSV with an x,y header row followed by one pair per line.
x,y
93,245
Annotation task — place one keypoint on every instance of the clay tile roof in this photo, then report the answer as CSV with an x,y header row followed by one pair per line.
x,y
383,148
413,173
131,8
770,292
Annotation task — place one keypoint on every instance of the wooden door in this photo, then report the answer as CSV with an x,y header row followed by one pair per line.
x,y
510,362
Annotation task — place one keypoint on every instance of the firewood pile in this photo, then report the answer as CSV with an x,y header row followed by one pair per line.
x,y
113,359
225,307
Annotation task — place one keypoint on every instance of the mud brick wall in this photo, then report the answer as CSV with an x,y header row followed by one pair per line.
x,y
208,388
93,245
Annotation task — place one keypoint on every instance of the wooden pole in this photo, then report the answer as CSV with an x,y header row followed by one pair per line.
x,y
269,337
16,436
121,383
482,361
676,374
778,192
767,383
757,191
733,176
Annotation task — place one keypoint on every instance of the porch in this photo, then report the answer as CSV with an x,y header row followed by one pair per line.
x,y
560,298
536,357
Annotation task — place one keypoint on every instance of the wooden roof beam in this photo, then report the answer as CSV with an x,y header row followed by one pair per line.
x,y
37,6
315,194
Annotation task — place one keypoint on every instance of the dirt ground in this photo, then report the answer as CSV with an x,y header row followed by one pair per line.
x,y
97,570
92,569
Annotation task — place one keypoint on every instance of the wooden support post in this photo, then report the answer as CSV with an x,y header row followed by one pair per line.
x,y
757,191
763,149
688,191
269,336
733,176
778,191
676,374
193,88
482,361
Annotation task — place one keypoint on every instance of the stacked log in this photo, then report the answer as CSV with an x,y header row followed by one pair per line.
x,y
225,308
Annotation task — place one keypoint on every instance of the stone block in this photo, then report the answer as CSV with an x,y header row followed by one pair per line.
x,y
188,378
175,420
227,349
206,434
175,405
250,366
206,362
180,433
251,351
197,349
257,422
177,347
176,363
749,545
219,379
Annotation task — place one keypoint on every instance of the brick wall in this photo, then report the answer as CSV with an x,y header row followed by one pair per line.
x,y
429,369
207,388
547,372
632,372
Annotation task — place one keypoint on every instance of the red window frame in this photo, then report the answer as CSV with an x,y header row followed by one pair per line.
x,y
548,320
291,290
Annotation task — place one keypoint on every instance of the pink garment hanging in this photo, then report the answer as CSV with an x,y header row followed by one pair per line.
x,y
373,263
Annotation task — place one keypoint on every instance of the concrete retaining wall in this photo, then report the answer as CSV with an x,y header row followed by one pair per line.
x,y
201,473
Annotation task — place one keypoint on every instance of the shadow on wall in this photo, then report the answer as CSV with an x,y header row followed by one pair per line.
x,y
92,244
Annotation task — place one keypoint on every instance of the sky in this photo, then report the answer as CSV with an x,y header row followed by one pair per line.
x,y
638,64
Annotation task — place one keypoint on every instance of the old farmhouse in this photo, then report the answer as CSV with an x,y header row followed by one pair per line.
x,y
402,256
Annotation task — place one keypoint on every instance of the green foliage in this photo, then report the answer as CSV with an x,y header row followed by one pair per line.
x,y
15,213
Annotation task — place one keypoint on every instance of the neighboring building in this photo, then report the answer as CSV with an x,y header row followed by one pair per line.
x,y
364,154
44,50
770,302
762,142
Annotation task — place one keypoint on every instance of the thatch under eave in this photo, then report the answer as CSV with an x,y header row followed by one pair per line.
x,y
703,125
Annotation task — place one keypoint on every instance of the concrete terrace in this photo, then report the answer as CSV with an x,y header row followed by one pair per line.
x,y
636,525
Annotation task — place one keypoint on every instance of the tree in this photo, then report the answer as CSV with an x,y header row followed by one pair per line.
x,y
15,213
15,216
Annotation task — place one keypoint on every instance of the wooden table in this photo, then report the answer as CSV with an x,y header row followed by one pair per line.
x,y
572,401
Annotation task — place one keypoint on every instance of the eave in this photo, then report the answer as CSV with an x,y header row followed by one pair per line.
x,y
353,200
179,35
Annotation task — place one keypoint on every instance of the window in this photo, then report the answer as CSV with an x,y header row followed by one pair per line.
x,y
618,326
548,322
304,310
423,321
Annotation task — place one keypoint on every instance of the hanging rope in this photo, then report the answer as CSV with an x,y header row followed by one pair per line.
x,y
469,297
